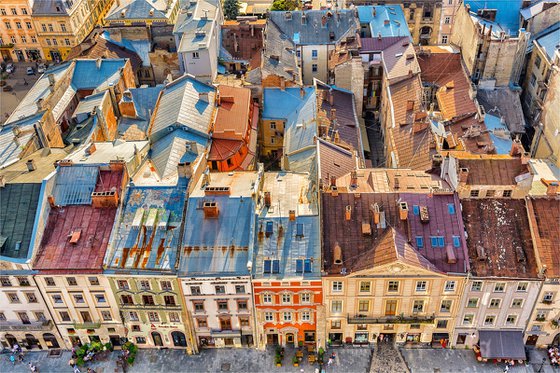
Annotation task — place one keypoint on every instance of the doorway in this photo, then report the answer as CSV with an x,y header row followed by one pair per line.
x,y
115,340
247,340
76,341
32,342
50,340
11,340
290,339
272,339
532,340
157,339
179,339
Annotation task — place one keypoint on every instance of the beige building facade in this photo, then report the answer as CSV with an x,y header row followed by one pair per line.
x,y
18,36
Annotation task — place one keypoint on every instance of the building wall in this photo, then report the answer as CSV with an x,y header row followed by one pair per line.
x,y
483,307
414,14
494,191
149,324
350,76
61,296
355,293
541,322
215,327
501,60
147,21
273,326
535,78
449,9
542,20
272,139
465,35
306,61
24,313
26,46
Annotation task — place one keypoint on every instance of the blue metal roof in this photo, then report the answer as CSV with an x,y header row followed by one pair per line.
x,y
376,17
550,42
495,126
74,185
507,15
87,75
281,104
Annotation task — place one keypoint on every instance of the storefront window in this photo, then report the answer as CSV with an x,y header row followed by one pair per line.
x,y
361,338
413,338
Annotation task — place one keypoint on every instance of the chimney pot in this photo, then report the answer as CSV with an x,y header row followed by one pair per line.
x,y
337,254
403,210
348,212
30,165
267,199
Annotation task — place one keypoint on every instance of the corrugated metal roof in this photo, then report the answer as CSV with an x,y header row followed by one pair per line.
x,y
74,185
507,15
11,146
87,104
376,17
172,149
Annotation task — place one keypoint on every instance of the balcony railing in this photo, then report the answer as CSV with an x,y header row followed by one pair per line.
x,y
32,326
391,320
87,325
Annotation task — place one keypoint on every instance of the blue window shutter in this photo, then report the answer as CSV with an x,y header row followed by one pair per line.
x,y
267,267
307,266
416,209
456,241
420,242
441,241
299,265
275,266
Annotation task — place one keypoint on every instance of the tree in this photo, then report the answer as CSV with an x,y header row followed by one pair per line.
x,y
284,5
231,9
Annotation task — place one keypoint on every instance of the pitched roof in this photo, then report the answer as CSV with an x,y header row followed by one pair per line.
x,y
232,115
104,48
499,238
44,161
375,44
399,60
51,7
334,161
384,20
244,40
493,171
507,15
144,100
549,42
503,102
279,57
536,8
310,31
140,10
544,217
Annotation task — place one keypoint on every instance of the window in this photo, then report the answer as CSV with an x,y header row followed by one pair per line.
x,y
418,306
447,20
40,316
64,316
445,305
195,55
474,193
18,25
239,289
393,286
220,289
242,305
31,298
272,142
169,300
336,306
516,303
23,281
140,340
302,265
314,54
33,39
314,67
548,296
489,320
449,286
305,316
148,300
86,317
538,62
8,25
51,29
195,290
3,11
122,284
444,39
490,193
24,11
336,324
106,315
13,298
14,11
476,286
533,77
420,286
63,27
390,308
511,319
363,306
441,324
506,193
286,298
133,316
127,300
337,286
71,281
456,241
541,316
472,303
536,328
522,286
153,316
499,287
94,281
5,281
437,241
13,39
287,316
79,298
495,303
268,316
44,27
365,286
145,285
222,305
267,298
305,298
198,306
420,242
166,285
468,319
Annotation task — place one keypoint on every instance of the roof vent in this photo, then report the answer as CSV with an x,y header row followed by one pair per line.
x,y
374,208
480,253
424,215
337,254
288,16
30,165
151,12
348,212
410,56
74,236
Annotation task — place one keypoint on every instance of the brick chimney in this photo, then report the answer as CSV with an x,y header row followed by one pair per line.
x,y
463,175
267,199
374,208
348,213
107,199
126,105
210,210
403,210
292,215
353,179
333,114
30,165
337,254
516,148
552,188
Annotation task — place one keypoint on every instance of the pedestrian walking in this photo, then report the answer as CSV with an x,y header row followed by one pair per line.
x,y
20,357
76,369
32,367
13,359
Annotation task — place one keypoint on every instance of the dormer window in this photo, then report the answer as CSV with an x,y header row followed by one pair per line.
x,y
303,265
271,266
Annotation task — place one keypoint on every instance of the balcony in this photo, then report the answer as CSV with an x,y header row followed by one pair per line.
x,y
391,320
32,326
87,325
7,46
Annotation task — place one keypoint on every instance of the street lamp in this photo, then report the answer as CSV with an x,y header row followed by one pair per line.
x,y
542,365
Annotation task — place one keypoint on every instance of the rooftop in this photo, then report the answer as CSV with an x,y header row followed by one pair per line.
x,y
334,161
503,103
493,171
104,152
141,10
549,42
399,60
507,13
44,161
317,27
233,113
279,57
144,100
384,20
499,238
544,217
78,229
244,40
537,7
542,169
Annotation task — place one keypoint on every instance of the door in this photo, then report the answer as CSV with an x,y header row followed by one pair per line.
x,y
115,340
76,341
157,339
391,308
532,340
51,341
32,342
225,323
179,339
11,340
290,338
272,339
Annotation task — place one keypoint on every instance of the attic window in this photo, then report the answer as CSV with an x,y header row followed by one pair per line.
x,y
269,228
75,236
299,230
271,266
303,265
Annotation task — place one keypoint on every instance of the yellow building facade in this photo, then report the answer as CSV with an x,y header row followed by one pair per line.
x,y
18,37
61,26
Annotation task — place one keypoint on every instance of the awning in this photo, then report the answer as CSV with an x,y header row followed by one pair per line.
x,y
502,344
226,334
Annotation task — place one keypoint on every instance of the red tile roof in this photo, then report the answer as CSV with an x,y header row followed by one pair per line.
x,y
493,171
222,149
499,240
90,226
544,215
232,115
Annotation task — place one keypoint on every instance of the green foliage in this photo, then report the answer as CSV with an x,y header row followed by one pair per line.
x,y
108,346
131,358
82,351
231,9
284,5
96,346
80,361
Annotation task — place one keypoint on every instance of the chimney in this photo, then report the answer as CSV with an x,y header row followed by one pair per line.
x,y
184,169
210,210
348,213
354,179
552,188
323,21
30,165
336,137
410,105
98,63
39,104
374,12
51,79
302,93
480,253
516,148
451,258
267,199
331,98
217,191
419,126
90,149
333,114
334,191
386,22
525,157
437,160
126,105
282,83
51,200
333,181
403,210
463,175
203,96
108,199
292,215
337,254
376,213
